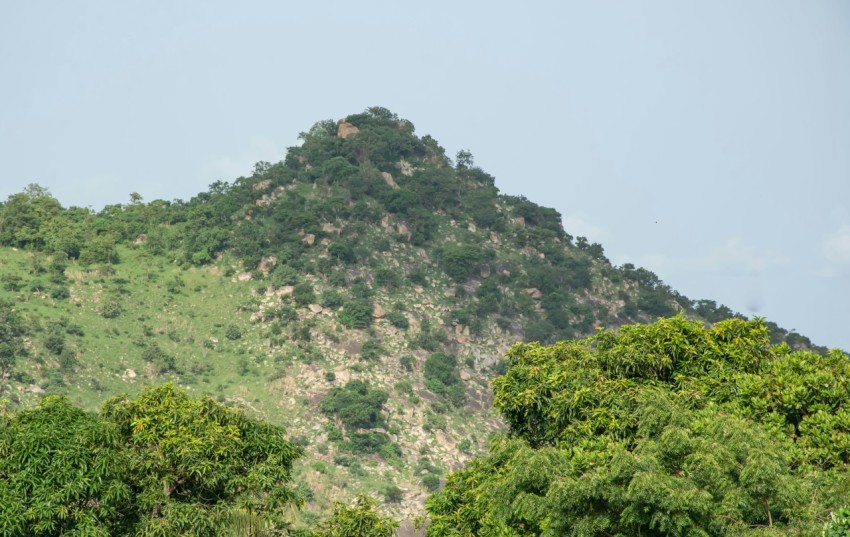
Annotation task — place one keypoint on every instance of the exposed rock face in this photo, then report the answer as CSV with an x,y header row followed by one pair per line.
x,y
267,263
262,185
405,168
346,129
388,177
378,312
327,227
534,293
309,239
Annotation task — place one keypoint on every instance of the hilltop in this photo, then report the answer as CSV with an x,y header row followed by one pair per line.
x,y
362,293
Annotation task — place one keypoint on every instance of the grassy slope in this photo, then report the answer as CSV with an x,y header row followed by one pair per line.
x,y
279,384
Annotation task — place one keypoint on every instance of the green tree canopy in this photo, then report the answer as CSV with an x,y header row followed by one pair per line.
x,y
162,464
359,520
662,429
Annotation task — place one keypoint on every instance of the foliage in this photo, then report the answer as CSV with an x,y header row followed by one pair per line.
x,y
233,332
458,260
161,464
303,294
839,524
356,313
62,471
372,350
442,377
359,520
13,328
662,429
398,320
356,404
194,459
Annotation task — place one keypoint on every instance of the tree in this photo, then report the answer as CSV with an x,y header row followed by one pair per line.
x,y
356,404
62,472
359,520
195,462
12,331
663,429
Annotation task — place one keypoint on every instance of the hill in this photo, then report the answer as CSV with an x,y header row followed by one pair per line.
x,y
362,293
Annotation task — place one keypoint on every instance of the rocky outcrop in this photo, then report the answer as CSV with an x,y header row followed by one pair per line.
x,y
388,177
346,129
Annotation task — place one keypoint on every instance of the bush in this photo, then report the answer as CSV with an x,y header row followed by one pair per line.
x,y
55,343
233,332
434,422
356,313
372,350
393,494
175,285
157,356
111,308
67,360
331,299
398,320
60,293
387,278
407,362
431,482
839,524
74,330
303,294
367,442
356,404
458,261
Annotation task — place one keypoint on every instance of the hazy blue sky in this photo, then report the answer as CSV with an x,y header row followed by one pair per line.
x,y
706,141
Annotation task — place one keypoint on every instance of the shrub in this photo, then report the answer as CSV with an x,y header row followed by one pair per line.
x,y
431,482
367,442
356,313
55,343
839,524
233,332
356,404
372,350
60,293
398,320
111,308
393,494
434,422
407,362
458,260
175,285
74,330
303,294
442,378
331,299
387,278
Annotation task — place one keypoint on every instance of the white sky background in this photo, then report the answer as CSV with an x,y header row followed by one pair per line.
x,y
708,142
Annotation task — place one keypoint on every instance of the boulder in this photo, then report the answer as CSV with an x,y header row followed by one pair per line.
x,y
388,178
346,129
534,293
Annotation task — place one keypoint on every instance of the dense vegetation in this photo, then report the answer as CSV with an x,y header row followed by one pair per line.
x,y
330,193
661,429
160,464
363,292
